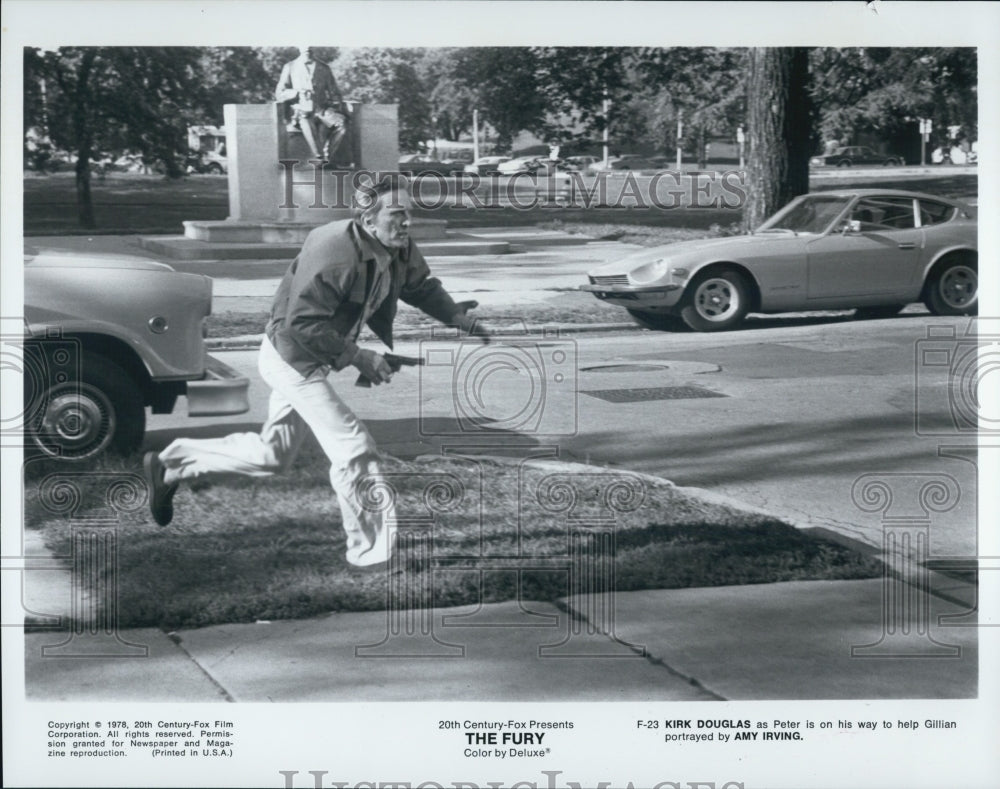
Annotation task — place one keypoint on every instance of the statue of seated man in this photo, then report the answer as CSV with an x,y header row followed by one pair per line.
x,y
314,103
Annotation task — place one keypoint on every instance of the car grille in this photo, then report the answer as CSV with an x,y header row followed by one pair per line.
x,y
613,279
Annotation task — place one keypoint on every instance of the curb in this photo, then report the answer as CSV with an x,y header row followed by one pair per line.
x,y
248,342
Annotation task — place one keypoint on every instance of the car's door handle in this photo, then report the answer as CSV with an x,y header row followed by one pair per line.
x,y
908,245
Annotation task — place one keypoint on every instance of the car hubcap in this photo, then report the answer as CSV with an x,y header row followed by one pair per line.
x,y
716,299
78,421
959,286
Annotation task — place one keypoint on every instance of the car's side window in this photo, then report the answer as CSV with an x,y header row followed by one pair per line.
x,y
933,213
884,213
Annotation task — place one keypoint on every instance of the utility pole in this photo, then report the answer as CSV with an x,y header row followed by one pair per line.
x,y
680,133
475,135
607,107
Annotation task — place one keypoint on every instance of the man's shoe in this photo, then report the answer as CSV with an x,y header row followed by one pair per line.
x,y
161,495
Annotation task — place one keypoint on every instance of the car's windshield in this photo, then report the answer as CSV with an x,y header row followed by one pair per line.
x,y
811,214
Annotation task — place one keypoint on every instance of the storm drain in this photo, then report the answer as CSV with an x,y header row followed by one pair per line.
x,y
644,394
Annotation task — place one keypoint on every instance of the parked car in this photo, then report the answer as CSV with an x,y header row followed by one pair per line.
x,y
419,163
871,250
631,161
106,337
486,165
850,155
522,164
581,163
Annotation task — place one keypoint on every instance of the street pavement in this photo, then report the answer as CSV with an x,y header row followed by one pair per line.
x,y
806,406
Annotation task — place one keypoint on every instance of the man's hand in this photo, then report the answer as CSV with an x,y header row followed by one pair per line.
x,y
473,327
373,366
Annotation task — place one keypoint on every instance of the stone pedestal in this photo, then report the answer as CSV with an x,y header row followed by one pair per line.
x,y
278,191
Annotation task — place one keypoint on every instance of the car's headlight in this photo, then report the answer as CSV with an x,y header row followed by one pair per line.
x,y
650,272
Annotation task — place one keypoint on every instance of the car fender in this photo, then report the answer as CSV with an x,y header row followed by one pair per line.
x,y
751,277
940,254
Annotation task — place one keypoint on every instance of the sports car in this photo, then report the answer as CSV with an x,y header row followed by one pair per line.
x,y
866,249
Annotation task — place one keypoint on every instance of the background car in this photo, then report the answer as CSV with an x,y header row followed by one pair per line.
x,y
486,165
631,161
871,250
581,163
522,164
417,163
106,337
851,155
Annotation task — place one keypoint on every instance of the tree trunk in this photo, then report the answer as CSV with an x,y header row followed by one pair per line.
x,y
84,203
778,130
84,137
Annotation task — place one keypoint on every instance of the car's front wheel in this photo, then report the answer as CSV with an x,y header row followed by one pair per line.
x,y
844,163
657,321
954,289
717,300
78,418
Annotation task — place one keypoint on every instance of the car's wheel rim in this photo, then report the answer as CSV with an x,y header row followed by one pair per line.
x,y
959,286
78,421
716,300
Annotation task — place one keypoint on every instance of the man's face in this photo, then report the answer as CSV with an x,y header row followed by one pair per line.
x,y
391,223
306,51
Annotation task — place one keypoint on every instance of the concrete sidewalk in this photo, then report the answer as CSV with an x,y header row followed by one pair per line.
x,y
796,640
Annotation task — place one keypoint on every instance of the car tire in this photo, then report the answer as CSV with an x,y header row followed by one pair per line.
x,y
717,300
875,313
844,163
102,411
890,163
954,289
214,168
657,321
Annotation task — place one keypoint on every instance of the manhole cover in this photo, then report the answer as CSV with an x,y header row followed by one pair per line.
x,y
652,393
623,368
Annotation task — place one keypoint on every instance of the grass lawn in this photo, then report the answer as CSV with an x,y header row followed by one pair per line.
x,y
126,203
570,307
243,550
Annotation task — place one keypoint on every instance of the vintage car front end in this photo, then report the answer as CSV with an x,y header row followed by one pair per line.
x,y
644,281
105,338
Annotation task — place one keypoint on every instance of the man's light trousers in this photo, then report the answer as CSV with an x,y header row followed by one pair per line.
x,y
299,404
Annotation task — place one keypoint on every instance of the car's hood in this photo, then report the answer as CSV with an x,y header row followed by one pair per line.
x,y
47,258
683,251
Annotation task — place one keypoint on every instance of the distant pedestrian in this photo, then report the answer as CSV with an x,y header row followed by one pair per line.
x,y
348,274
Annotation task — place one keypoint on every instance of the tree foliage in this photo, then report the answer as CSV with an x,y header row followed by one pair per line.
x,y
101,100
881,91
388,76
505,83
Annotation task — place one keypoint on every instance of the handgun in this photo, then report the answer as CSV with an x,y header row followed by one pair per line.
x,y
395,362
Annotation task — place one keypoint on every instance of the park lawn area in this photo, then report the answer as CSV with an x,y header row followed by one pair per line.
x,y
566,307
247,550
124,203
128,203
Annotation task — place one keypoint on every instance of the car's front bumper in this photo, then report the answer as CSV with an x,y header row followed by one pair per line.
x,y
221,392
652,296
